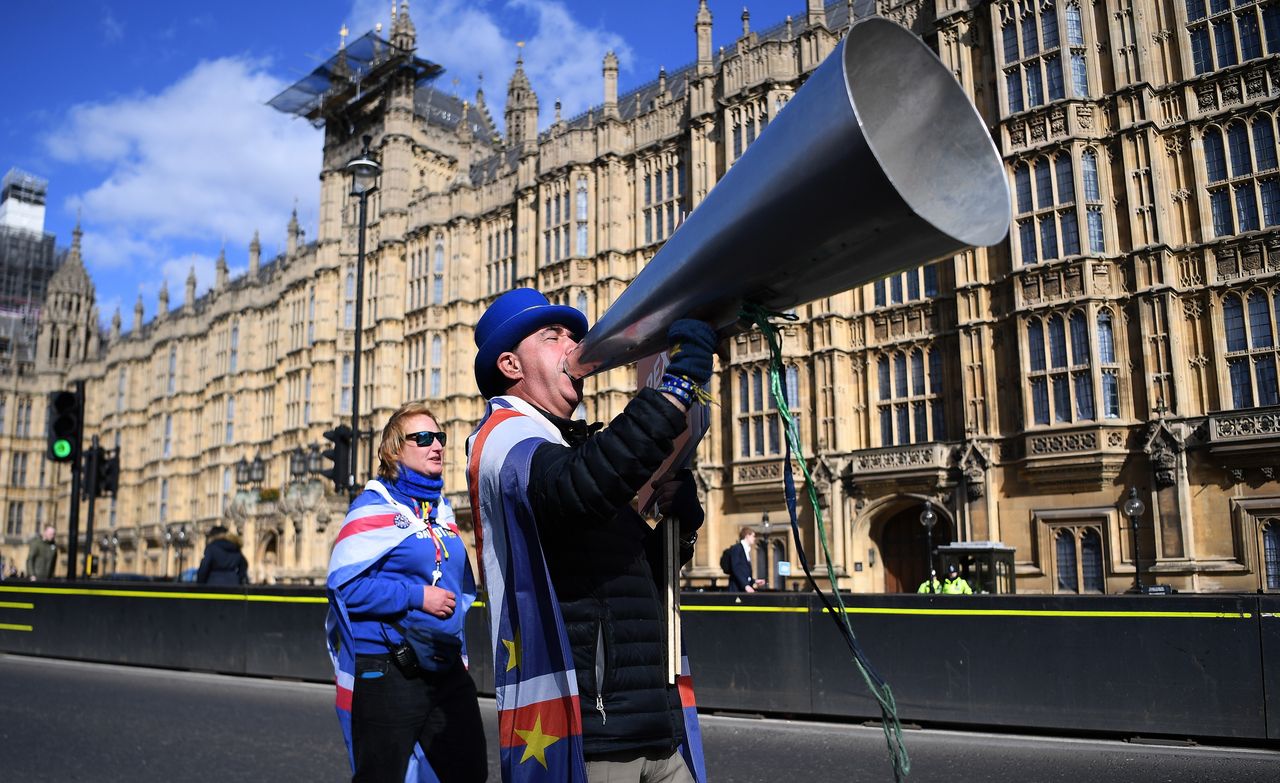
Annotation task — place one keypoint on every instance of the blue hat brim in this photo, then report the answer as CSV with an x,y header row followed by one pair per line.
x,y
509,334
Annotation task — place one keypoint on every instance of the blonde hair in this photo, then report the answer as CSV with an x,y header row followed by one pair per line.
x,y
393,438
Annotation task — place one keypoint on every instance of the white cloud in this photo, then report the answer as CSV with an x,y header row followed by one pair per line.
x,y
112,28
205,159
562,56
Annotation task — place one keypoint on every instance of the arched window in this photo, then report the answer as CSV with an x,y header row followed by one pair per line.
x,y
1065,549
230,432
793,386
1035,344
582,302
1022,184
349,318
1009,35
345,404
1090,165
1044,184
1215,160
437,274
1079,339
1233,319
1091,561
1238,144
1106,340
233,360
437,349
1271,553
1066,187
1264,139
1110,371
911,403
173,368
1251,352
1259,320
1057,343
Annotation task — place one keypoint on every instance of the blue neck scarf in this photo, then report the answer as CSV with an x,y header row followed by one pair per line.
x,y
412,487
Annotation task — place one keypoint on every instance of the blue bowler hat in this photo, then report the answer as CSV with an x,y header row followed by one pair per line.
x,y
512,317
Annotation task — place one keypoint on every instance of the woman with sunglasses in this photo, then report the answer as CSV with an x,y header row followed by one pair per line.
x,y
400,585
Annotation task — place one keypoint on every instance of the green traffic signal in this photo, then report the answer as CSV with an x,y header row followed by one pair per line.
x,y
62,448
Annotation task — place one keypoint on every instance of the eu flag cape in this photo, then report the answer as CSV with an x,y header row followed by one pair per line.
x,y
539,724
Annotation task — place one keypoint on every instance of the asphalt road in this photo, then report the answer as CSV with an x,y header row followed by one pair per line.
x,y
69,721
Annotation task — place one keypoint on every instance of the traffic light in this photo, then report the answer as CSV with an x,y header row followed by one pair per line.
x,y
64,426
339,456
108,472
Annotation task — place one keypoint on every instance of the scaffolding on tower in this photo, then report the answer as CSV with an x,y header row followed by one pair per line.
x,y
357,71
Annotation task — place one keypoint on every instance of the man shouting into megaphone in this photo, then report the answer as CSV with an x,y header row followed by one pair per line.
x,y
572,571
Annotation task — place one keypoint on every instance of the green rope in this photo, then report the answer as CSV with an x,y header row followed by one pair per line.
x,y
890,723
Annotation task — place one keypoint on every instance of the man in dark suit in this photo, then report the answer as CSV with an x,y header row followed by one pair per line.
x,y
740,580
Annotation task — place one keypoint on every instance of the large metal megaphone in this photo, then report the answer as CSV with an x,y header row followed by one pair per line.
x,y
878,163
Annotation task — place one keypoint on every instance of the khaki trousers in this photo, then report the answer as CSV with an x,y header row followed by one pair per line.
x,y
637,767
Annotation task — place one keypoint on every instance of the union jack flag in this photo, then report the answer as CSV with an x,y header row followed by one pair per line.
x,y
539,723
374,526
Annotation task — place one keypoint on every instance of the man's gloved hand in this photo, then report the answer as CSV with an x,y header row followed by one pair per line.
x,y
691,344
677,496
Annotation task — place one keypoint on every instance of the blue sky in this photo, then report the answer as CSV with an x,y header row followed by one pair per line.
x,y
149,118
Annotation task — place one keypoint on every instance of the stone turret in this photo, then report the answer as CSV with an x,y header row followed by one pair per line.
x,y
68,329
255,255
521,114
220,280
702,26
403,34
816,14
610,71
163,311
295,232
189,301
137,314
115,325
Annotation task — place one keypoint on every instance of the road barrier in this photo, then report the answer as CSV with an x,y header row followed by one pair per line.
x,y
1181,666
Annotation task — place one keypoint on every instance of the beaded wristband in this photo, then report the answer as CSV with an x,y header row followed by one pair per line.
x,y
679,387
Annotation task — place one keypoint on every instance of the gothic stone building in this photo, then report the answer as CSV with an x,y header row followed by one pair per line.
x,y
1123,338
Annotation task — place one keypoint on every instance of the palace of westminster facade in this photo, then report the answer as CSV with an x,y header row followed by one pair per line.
x,y
1123,337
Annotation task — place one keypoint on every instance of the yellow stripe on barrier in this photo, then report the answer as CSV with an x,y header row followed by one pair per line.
x,y
105,592
1046,613
12,627
957,612
717,608
16,605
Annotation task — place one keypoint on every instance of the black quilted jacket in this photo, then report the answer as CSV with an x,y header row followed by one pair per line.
x,y
606,565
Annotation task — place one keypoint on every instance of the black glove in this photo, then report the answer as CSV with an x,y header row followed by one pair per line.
x,y
684,504
691,345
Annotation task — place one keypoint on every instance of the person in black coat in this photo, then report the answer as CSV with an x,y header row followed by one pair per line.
x,y
740,579
605,562
223,562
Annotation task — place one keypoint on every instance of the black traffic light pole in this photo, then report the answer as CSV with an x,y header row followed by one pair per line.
x,y
73,523
93,462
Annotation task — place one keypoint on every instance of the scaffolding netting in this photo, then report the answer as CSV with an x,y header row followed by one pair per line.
x,y
348,76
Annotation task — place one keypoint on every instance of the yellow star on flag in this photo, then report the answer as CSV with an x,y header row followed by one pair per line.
x,y
536,743
513,652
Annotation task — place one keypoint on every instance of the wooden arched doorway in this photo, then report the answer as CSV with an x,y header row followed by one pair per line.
x,y
901,541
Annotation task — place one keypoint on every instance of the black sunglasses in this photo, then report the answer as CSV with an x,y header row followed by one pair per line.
x,y
424,438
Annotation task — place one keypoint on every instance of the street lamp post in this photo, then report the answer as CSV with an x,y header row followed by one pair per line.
x,y
177,539
364,170
1134,509
928,518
